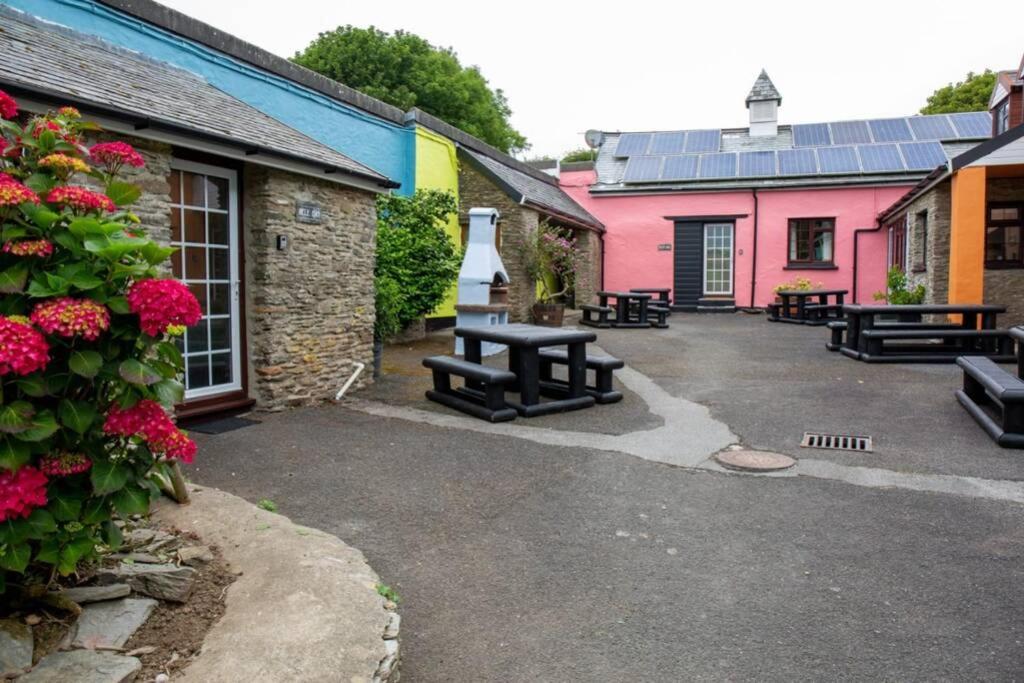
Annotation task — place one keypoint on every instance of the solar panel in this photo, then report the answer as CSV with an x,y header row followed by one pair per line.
x,y
632,144
797,162
811,135
718,165
890,130
976,124
642,169
850,132
757,164
880,158
671,142
923,155
838,160
682,167
702,141
932,127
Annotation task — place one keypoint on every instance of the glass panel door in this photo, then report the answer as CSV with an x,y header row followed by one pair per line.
x,y
717,258
204,228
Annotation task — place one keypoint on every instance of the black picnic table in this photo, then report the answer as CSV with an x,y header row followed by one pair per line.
x,y
625,305
660,292
809,306
863,317
524,343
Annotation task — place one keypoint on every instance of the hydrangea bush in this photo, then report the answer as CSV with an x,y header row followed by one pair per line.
x,y
89,371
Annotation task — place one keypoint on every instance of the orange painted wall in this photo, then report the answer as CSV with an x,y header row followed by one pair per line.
x,y
967,237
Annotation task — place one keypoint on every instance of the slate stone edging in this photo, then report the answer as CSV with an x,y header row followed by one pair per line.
x,y
304,606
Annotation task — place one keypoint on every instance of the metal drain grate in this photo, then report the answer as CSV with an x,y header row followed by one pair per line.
x,y
837,442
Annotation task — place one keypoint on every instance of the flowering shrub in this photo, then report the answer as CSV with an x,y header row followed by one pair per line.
x,y
897,292
551,257
87,366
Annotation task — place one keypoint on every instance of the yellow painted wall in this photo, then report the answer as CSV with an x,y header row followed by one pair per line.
x,y
437,168
967,237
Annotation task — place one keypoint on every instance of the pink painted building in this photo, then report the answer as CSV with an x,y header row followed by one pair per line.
x,y
723,216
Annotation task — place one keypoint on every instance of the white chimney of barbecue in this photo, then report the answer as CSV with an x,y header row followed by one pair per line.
x,y
764,102
483,281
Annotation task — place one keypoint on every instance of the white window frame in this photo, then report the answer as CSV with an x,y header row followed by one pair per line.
x,y
234,279
732,258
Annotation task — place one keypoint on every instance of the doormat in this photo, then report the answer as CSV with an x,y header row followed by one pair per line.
x,y
222,425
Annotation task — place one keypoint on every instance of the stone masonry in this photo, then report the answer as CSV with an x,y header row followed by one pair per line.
x,y
1006,286
588,277
311,305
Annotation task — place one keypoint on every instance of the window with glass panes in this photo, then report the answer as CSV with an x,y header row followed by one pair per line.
x,y
718,258
811,240
1003,232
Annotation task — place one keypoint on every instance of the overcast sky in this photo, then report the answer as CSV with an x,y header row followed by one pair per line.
x,y
567,66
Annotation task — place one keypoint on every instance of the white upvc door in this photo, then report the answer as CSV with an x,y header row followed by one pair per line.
x,y
204,229
718,243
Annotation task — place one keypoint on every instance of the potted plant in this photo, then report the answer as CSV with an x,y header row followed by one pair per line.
x,y
800,284
898,294
550,258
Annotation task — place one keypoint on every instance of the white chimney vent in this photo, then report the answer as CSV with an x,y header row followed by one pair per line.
x,y
763,102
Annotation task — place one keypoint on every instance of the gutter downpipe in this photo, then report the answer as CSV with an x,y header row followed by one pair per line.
x,y
856,243
753,258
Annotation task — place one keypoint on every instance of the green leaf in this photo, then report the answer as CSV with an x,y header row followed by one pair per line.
x,y
16,417
119,304
40,523
108,477
155,254
113,247
135,372
49,551
15,558
74,552
131,500
170,352
33,385
123,194
13,279
65,508
96,510
112,535
13,454
13,232
85,281
169,392
86,227
40,183
76,415
41,216
44,424
13,531
85,363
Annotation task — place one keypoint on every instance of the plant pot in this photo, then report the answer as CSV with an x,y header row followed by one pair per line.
x,y
548,315
378,357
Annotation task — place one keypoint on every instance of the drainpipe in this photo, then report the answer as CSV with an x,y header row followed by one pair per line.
x,y
600,236
753,258
856,234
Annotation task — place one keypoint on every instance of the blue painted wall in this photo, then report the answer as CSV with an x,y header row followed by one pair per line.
x,y
386,147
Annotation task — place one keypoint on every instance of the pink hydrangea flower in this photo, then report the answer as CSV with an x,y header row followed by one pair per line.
x,y
147,419
113,155
39,248
13,193
23,350
64,464
68,317
80,198
161,304
8,107
21,492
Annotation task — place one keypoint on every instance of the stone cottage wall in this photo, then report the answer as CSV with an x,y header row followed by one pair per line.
x,y
588,278
929,253
1006,286
310,306
515,222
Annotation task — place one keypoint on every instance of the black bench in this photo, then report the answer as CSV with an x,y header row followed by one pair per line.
x,y
484,393
602,390
838,328
660,314
602,315
773,311
994,398
995,344
821,314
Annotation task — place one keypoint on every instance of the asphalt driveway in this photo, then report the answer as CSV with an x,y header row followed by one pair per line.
x,y
523,561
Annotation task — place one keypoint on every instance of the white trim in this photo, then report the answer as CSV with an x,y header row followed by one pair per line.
x,y
234,282
732,257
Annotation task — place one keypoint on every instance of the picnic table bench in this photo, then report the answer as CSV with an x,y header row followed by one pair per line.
x,y
872,341
630,308
807,306
995,397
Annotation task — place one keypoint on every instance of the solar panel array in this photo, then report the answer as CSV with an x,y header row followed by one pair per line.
x,y
668,142
970,125
894,157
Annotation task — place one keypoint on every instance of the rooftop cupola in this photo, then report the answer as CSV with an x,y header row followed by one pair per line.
x,y
763,102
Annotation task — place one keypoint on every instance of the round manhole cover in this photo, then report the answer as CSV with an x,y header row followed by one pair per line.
x,y
754,461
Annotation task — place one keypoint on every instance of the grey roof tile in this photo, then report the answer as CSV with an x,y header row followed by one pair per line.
x,y
49,59
763,89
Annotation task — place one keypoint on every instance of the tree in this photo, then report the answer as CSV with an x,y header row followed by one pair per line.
x,y
416,260
406,71
970,94
582,154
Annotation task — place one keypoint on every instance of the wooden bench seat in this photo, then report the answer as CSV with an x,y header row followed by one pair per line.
x,y
950,343
602,313
483,395
994,398
602,389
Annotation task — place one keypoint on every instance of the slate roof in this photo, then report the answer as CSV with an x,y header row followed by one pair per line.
x,y
542,194
763,89
73,68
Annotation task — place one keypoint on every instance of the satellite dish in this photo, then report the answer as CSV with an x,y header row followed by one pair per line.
x,y
594,138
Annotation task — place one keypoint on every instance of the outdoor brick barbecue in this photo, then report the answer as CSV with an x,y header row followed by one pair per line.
x,y
483,281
